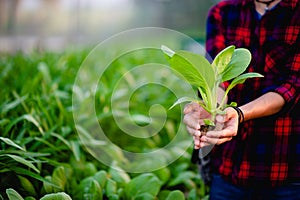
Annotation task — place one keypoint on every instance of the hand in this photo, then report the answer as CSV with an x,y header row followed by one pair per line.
x,y
229,130
193,119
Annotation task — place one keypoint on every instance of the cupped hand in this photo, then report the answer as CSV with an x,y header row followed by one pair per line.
x,y
194,115
229,122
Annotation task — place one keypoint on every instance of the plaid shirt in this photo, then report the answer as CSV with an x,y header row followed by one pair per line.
x,y
266,151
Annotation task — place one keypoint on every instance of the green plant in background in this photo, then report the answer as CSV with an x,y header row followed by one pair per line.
x,y
229,64
41,156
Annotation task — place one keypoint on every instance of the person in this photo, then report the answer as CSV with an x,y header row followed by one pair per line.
x,y
256,156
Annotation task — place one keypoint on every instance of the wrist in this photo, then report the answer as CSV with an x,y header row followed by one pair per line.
x,y
241,117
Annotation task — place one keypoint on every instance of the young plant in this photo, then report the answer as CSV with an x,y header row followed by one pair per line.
x,y
229,64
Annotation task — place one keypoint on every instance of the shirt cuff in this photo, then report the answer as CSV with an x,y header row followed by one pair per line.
x,y
287,91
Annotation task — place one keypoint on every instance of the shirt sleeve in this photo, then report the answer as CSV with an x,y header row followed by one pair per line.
x,y
289,88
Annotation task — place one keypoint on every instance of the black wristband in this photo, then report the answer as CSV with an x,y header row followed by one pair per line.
x,y
240,114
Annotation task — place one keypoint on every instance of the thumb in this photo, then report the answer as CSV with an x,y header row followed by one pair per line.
x,y
229,114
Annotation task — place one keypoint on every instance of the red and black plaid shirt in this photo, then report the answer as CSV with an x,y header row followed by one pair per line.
x,y
266,151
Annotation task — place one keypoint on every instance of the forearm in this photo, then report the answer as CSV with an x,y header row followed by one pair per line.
x,y
266,105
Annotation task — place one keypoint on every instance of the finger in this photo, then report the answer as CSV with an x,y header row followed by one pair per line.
x,y
194,120
209,140
215,141
193,132
196,142
230,113
191,121
222,140
229,131
191,107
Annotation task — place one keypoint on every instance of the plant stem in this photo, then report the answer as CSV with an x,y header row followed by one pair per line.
x,y
221,106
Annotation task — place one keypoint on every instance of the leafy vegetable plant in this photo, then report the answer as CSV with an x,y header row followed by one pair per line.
x,y
229,64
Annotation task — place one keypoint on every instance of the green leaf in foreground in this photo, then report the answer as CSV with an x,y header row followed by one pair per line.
x,y
242,78
182,100
238,64
229,64
222,59
197,66
167,51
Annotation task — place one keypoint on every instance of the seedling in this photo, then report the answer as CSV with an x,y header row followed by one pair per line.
x,y
207,77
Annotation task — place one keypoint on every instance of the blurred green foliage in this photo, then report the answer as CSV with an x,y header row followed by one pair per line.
x,y
41,155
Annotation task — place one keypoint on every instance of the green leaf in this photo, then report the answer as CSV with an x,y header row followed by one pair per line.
x,y
163,194
242,78
101,178
25,153
31,119
144,196
209,122
183,100
56,196
240,60
163,174
233,104
13,104
75,147
13,194
27,117
11,143
4,122
27,185
111,187
141,119
29,198
22,161
114,197
90,169
118,174
89,188
26,172
95,191
72,145
181,178
203,95
61,138
176,194
47,187
222,59
44,69
59,178
169,52
144,183
193,68
193,194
